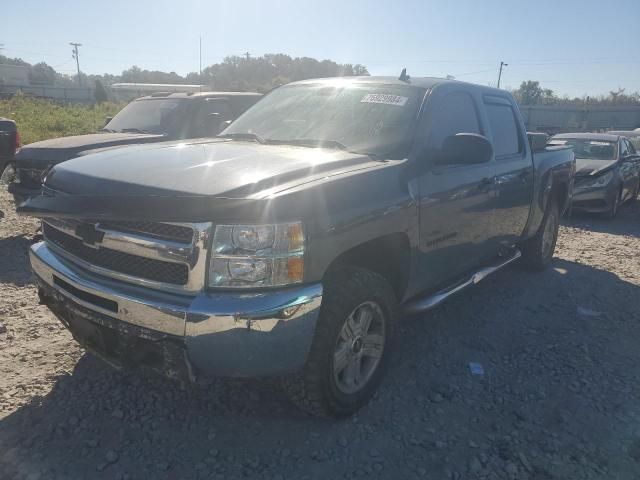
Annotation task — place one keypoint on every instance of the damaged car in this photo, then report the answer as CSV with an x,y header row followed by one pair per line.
x,y
607,171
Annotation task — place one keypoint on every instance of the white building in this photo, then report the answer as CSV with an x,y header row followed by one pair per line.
x,y
14,75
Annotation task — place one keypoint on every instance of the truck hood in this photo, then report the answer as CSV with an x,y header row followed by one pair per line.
x,y
219,168
586,167
51,152
195,182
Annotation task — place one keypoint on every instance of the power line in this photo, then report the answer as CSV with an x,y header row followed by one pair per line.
x,y
77,57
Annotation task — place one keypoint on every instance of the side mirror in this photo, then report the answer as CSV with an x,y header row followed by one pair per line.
x,y
464,149
107,120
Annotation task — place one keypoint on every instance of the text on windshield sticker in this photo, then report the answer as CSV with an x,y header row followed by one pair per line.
x,y
384,99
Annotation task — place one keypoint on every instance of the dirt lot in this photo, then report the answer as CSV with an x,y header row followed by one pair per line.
x,y
559,397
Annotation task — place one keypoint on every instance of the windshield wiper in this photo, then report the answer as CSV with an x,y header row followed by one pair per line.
x,y
310,142
134,130
244,136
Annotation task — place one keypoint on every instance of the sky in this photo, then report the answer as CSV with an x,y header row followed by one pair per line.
x,y
575,48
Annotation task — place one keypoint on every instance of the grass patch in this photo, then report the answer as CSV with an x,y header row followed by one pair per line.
x,y
40,119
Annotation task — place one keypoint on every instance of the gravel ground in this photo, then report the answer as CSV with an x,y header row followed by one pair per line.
x,y
558,396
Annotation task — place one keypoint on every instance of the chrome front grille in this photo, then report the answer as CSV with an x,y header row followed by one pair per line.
x,y
163,256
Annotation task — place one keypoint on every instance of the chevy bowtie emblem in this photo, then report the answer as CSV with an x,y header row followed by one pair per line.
x,y
88,233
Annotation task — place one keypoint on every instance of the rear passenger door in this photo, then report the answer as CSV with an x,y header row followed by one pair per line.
x,y
456,201
514,170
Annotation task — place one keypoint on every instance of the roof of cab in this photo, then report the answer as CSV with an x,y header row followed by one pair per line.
x,y
604,137
420,82
199,95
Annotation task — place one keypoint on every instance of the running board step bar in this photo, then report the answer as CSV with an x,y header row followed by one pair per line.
x,y
429,302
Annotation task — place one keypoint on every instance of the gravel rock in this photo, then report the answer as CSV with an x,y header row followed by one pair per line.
x,y
558,398
112,456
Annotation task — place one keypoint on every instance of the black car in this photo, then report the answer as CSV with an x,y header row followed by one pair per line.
x,y
156,118
607,171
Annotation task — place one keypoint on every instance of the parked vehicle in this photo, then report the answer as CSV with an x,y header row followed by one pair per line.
x,y
291,245
608,171
9,144
156,118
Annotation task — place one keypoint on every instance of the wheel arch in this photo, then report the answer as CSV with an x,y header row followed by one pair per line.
x,y
388,255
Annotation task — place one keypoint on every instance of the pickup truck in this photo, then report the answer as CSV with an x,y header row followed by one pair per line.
x,y
156,118
292,245
9,144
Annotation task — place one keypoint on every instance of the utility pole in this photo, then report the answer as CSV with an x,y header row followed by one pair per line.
x,y
502,64
75,55
247,54
200,78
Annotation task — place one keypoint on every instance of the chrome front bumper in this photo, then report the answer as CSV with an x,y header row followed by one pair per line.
x,y
226,334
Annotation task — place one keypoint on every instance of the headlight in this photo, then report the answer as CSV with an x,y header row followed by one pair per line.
x,y
257,255
599,181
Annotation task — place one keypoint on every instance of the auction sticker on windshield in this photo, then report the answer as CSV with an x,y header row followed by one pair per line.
x,y
384,99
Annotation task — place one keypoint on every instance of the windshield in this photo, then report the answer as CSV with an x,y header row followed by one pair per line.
x,y
588,149
158,116
362,118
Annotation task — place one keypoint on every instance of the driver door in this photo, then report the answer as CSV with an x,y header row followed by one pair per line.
x,y
456,201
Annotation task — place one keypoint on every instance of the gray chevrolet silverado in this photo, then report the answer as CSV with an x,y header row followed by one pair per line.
x,y
156,118
293,244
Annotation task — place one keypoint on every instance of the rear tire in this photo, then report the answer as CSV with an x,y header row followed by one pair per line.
x,y
537,252
350,347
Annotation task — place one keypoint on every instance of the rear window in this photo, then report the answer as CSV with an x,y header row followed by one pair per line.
x,y
506,139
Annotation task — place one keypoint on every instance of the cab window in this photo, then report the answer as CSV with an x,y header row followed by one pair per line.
x,y
504,129
457,114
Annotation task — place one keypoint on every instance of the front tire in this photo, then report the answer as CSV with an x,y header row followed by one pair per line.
x,y
634,195
8,174
613,211
350,347
537,252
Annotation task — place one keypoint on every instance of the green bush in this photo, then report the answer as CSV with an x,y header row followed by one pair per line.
x,y
40,119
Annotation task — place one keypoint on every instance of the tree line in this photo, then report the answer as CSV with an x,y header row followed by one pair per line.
x,y
261,74
531,92
234,73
